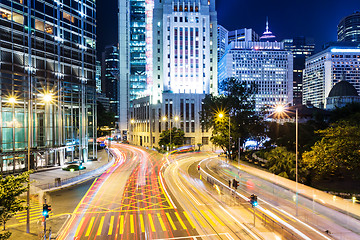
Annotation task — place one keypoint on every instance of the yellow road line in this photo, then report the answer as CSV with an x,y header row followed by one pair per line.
x,y
208,218
171,221
142,223
217,219
79,227
81,201
90,227
31,211
167,199
198,218
111,226
189,220
100,226
151,223
131,223
121,231
181,222
161,222
281,214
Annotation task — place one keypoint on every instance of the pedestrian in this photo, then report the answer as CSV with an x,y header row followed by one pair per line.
x,y
229,183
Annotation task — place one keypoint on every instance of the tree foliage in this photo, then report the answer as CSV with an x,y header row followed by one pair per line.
x,y
177,137
11,187
238,104
337,154
281,162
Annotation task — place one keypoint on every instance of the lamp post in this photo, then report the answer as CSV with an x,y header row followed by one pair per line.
x,y
280,110
176,118
221,115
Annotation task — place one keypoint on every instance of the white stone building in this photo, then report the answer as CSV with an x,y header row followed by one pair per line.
x,y
328,67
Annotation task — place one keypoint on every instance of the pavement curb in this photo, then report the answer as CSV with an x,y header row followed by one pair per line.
x,y
92,174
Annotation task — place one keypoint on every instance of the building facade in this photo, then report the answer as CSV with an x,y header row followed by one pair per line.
x,y
301,49
181,67
222,41
266,64
47,75
348,29
243,35
110,78
328,67
98,77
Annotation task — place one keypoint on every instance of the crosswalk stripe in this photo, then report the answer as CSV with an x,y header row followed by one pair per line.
x,y
79,227
189,220
161,222
198,218
171,221
216,218
90,227
121,231
100,226
111,225
208,218
151,223
181,222
131,223
142,223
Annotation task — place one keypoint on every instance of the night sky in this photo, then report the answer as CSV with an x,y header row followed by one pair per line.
x,y
287,18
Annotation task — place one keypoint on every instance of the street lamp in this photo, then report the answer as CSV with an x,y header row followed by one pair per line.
x,y
222,115
280,109
176,118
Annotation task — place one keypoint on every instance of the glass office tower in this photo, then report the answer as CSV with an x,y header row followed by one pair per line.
x,y
137,49
47,82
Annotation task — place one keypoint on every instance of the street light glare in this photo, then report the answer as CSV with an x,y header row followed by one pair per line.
x,y
47,97
176,118
279,109
132,121
164,118
221,115
12,100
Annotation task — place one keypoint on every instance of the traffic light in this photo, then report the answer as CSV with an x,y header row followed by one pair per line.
x,y
46,210
253,200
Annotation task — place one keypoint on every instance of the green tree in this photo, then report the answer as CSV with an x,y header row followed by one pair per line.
x,y
11,187
238,104
281,162
177,137
337,154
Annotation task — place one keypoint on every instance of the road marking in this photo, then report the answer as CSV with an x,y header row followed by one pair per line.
x,y
111,226
121,231
198,218
274,209
208,218
171,221
151,223
131,223
142,223
216,218
189,220
181,222
81,201
90,227
79,227
161,222
101,225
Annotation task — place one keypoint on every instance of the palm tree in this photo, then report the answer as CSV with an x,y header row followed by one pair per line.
x,y
281,162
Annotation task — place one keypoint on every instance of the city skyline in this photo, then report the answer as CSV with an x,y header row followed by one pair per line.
x,y
284,22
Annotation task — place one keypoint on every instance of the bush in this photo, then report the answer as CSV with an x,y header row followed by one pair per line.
x,y
74,167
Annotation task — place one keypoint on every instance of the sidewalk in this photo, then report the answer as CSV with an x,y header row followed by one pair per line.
x,y
45,180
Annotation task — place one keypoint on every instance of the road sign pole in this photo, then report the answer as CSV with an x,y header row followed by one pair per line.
x,y
254,215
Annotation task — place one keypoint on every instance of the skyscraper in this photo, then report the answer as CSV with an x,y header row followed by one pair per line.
x,y
301,49
110,77
222,41
348,29
328,67
181,68
47,74
267,36
267,64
